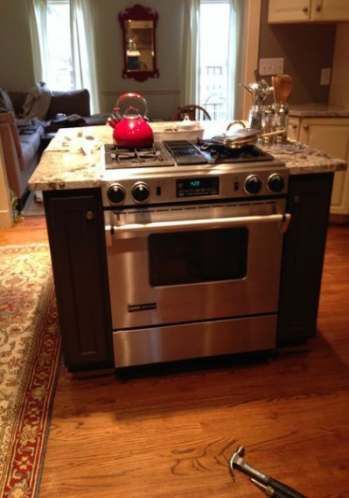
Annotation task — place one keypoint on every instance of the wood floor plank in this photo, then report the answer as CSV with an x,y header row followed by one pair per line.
x,y
169,433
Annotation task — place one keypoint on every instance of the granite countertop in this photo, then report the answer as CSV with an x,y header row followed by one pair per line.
x,y
318,111
74,158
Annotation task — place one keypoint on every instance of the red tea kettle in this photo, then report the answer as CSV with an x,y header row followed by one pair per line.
x,y
131,128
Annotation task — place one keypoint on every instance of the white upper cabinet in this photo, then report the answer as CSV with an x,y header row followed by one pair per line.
x,y
330,10
285,11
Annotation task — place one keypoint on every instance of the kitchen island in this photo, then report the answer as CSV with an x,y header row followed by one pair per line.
x,y
71,174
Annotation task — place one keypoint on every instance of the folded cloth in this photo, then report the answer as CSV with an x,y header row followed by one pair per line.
x,y
5,102
38,101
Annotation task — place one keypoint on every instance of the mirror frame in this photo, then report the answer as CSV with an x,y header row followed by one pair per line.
x,y
139,13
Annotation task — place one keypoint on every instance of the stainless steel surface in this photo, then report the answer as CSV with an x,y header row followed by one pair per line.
x,y
237,461
194,256
236,122
267,490
128,265
163,184
193,340
135,229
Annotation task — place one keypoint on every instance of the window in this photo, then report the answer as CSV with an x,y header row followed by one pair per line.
x,y
215,72
59,70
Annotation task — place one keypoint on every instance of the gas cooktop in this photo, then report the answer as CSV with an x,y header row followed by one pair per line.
x,y
181,153
182,171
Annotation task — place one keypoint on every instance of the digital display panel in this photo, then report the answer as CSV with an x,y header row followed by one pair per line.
x,y
191,187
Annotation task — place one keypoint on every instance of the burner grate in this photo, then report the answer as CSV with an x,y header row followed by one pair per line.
x,y
119,158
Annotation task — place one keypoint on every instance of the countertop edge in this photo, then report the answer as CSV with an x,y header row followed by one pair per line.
x,y
318,114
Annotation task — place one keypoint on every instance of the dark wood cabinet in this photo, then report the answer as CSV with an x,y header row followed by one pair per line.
x,y
303,255
76,234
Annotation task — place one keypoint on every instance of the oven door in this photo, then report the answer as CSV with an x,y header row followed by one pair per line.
x,y
186,264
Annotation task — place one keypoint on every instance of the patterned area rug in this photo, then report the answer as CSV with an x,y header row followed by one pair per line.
x,y
29,360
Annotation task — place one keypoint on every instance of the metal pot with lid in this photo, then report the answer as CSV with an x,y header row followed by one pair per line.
x,y
241,137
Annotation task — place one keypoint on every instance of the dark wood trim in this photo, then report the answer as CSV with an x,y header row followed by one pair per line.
x,y
139,13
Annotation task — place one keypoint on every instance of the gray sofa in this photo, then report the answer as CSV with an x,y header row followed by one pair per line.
x,y
23,142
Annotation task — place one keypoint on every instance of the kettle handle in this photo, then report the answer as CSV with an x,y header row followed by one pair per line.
x,y
133,95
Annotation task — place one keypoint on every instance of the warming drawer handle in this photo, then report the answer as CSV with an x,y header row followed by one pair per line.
x,y
164,226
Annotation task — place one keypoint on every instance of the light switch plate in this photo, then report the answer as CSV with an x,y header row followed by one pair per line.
x,y
273,65
325,78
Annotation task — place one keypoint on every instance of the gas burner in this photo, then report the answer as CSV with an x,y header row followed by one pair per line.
x,y
147,157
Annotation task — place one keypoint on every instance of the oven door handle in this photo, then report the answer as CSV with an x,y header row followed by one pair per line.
x,y
134,229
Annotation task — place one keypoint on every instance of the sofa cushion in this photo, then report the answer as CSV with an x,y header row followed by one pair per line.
x,y
5,102
30,145
74,102
37,101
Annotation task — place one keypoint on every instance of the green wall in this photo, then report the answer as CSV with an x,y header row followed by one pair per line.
x,y
16,66
162,94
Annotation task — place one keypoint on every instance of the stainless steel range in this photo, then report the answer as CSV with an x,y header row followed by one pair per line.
x,y
194,239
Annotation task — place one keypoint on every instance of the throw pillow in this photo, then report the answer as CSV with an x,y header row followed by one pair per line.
x,y
37,102
5,102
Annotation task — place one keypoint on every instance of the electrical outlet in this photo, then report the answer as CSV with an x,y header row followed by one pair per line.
x,y
274,65
325,78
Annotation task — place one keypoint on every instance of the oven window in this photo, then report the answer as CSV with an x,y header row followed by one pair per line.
x,y
197,256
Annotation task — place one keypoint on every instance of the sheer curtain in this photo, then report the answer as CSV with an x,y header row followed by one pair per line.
x,y
191,44
82,45
83,50
37,15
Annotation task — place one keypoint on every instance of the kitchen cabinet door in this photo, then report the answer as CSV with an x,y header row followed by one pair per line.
x,y
289,11
331,136
330,10
77,242
303,255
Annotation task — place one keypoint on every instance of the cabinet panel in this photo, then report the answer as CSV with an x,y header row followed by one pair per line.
x,y
333,139
330,10
286,11
303,255
76,234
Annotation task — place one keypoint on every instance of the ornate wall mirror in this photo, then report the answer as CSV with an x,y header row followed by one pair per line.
x,y
138,26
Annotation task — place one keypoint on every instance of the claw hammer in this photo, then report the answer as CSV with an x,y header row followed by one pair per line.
x,y
270,486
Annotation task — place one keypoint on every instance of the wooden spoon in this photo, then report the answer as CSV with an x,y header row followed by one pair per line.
x,y
285,88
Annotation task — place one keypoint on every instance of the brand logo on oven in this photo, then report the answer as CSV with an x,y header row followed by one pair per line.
x,y
141,307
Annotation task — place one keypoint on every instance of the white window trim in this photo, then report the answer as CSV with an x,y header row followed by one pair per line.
x,y
250,48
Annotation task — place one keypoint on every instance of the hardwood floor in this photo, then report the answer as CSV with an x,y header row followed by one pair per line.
x,y
169,433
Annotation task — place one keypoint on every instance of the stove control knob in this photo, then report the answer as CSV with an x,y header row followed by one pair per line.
x,y
116,193
140,191
253,184
276,183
